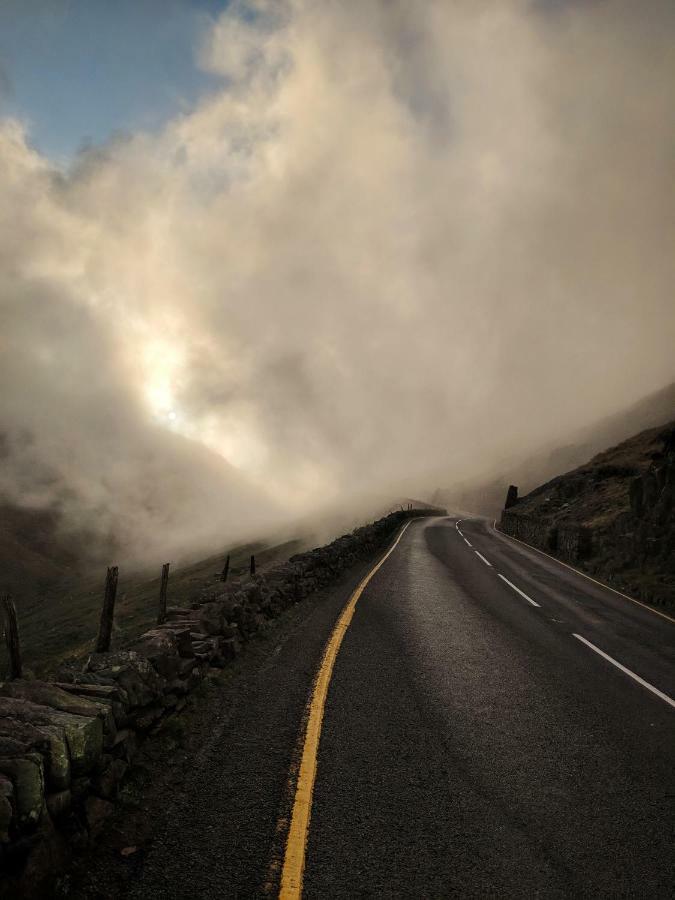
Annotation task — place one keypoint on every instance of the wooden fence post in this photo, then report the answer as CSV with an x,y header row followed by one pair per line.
x,y
252,564
108,611
12,637
226,569
161,614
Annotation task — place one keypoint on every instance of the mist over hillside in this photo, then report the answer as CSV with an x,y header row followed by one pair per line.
x,y
486,494
395,241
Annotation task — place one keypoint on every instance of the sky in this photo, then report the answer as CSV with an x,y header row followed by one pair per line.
x,y
335,249
77,71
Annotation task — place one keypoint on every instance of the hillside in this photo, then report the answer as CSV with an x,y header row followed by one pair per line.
x,y
486,496
170,499
60,621
613,516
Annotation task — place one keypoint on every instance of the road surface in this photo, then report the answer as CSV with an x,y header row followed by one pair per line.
x,y
496,725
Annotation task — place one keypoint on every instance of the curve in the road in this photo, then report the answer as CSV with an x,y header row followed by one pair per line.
x,y
445,679
294,859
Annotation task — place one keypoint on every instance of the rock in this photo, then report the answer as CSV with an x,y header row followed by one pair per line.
x,y
80,787
6,807
84,735
105,784
120,768
204,649
193,679
186,666
27,775
144,719
59,804
161,649
126,745
178,614
230,630
50,741
49,695
102,693
181,634
132,672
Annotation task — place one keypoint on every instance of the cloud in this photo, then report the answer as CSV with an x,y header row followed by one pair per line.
x,y
402,240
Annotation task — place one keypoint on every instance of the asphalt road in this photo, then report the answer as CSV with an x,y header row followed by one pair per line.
x,y
472,745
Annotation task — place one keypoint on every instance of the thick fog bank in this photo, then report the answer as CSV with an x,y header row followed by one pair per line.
x,y
402,239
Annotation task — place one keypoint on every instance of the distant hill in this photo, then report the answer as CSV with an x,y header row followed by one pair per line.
x,y
169,500
487,496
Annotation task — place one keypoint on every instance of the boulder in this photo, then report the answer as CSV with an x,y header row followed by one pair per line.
x,y
83,734
126,745
181,634
6,807
144,719
105,784
50,741
27,775
50,695
109,694
59,804
160,647
132,672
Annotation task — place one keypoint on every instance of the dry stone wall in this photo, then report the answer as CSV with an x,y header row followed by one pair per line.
x,y
569,542
66,745
633,547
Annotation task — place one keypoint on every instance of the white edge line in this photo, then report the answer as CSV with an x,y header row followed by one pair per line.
x,y
645,684
518,591
650,609
486,561
460,533
468,543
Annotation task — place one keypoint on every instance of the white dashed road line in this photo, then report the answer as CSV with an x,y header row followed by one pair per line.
x,y
645,684
610,659
518,591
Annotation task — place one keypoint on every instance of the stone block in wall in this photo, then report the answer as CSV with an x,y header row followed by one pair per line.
x,y
49,741
161,649
181,634
49,695
59,804
27,775
83,734
144,719
132,672
528,529
574,542
112,695
6,807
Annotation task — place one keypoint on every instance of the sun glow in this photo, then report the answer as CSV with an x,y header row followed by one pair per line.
x,y
162,363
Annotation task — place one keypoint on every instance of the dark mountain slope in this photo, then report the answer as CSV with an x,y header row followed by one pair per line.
x,y
486,496
614,516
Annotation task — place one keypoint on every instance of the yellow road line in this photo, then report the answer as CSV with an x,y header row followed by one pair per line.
x,y
657,612
294,858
